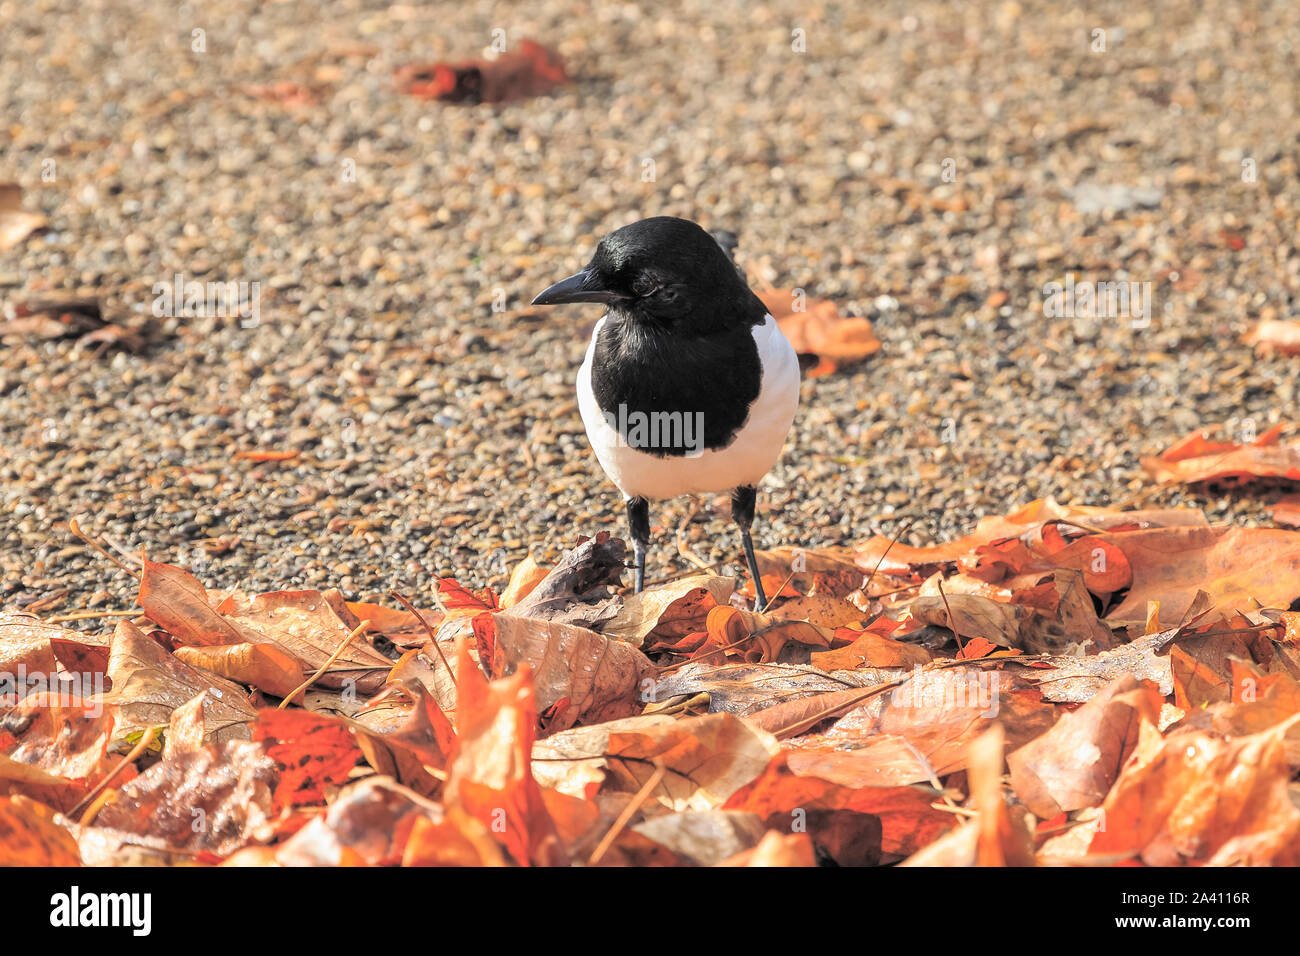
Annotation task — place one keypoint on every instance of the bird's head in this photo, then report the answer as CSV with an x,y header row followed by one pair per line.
x,y
663,271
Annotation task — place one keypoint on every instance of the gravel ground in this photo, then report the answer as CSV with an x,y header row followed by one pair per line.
x,y
929,165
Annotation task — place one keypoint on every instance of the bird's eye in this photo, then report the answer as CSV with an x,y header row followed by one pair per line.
x,y
644,286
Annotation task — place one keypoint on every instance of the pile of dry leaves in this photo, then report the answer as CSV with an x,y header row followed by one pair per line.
x,y
1064,685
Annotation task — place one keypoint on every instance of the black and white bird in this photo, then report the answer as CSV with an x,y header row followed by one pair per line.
x,y
689,386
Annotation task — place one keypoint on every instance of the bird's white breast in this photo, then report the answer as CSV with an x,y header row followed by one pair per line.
x,y
752,452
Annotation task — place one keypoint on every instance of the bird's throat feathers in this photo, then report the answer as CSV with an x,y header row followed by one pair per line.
x,y
702,383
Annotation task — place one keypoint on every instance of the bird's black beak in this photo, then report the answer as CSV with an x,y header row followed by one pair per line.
x,y
583,287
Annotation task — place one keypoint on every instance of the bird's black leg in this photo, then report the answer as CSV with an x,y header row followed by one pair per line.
x,y
638,518
742,510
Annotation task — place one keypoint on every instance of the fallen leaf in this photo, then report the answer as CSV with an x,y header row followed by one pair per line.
x,y
149,683
815,327
309,626
1060,620
774,586
822,610
669,611
1102,565
414,750
398,625
871,650
286,92
707,758
746,689
749,636
577,590
369,824
30,835
432,671
457,840
1235,566
523,579
312,752
263,666
1073,765
1197,681
996,837
1074,680
15,224
1197,459
213,800
67,738
1287,511
175,600
970,616
489,774
1275,337
61,793
460,600
792,717
83,658
267,455
907,819
801,567
938,711
25,649
895,557
594,677
186,728
529,70
704,837
777,849
1197,798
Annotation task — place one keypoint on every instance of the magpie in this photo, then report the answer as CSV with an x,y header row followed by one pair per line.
x,y
688,385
